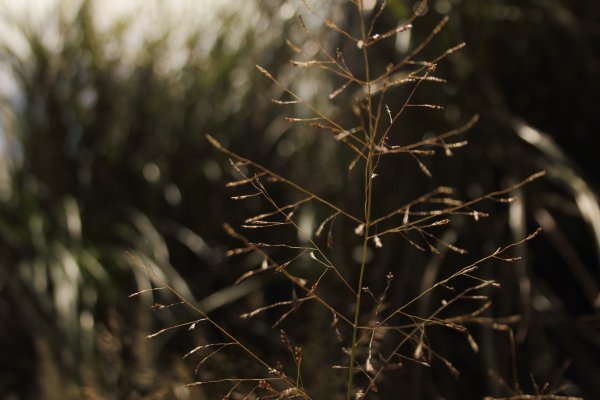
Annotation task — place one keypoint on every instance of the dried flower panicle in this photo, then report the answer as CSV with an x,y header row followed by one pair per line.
x,y
373,334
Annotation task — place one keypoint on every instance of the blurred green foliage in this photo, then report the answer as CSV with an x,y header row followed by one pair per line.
x,y
105,170
105,163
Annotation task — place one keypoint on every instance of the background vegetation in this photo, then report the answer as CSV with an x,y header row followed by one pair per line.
x,y
104,158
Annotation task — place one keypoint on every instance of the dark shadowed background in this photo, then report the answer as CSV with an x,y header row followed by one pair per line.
x,y
105,169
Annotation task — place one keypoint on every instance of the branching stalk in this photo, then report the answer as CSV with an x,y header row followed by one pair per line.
x,y
368,199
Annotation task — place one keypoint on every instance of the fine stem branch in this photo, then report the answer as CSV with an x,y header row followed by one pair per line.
x,y
368,198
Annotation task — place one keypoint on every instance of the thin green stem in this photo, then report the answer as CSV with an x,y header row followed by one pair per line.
x,y
368,199
369,173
